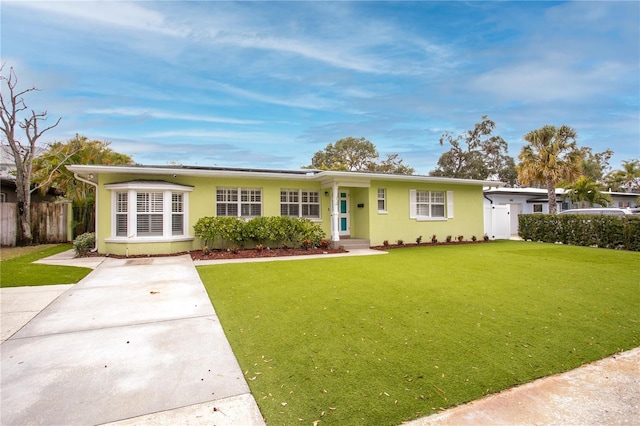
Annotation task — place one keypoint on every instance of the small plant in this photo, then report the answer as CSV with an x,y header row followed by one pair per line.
x,y
205,250
259,248
306,243
419,240
448,239
474,238
234,249
84,243
284,246
485,237
460,238
385,243
434,239
400,242
325,244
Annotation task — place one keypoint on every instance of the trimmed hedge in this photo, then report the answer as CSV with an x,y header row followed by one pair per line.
x,y
617,232
279,231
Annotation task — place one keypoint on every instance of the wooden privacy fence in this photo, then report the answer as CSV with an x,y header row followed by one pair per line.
x,y
8,224
48,223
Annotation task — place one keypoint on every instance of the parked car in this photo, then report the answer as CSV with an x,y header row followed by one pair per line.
x,y
635,210
599,210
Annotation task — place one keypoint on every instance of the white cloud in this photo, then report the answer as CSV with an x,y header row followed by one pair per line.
x,y
546,81
120,14
148,113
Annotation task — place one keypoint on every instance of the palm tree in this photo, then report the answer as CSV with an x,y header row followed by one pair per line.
x,y
627,179
550,157
585,191
49,169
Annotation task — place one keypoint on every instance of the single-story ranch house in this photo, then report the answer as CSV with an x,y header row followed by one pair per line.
x,y
152,209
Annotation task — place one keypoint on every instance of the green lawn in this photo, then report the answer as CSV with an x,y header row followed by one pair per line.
x,y
383,339
20,271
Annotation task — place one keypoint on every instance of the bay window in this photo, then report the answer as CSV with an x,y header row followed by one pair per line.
x,y
149,210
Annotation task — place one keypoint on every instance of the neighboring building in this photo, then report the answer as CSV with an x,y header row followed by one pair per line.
x,y
152,209
536,200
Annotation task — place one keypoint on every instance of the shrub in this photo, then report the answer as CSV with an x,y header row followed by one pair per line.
x,y
385,243
325,244
485,237
448,238
582,230
460,238
434,239
281,230
419,240
84,243
474,238
400,242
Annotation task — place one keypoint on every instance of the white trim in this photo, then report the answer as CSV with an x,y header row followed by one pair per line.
x,y
413,206
132,215
149,186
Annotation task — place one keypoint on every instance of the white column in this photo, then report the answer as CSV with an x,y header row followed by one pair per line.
x,y
335,214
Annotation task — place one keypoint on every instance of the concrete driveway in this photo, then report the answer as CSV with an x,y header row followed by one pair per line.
x,y
136,337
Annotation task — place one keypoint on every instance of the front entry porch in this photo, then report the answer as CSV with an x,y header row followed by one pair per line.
x,y
353,244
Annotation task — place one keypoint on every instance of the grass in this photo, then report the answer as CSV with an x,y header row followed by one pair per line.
x,y
385,339
18,270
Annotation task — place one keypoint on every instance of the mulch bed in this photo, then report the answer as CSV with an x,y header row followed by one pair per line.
x,y
427,244
252,253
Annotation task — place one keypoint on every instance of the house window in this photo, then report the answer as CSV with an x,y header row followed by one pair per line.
x,y
177,213
300,203
3,197
425,205
382,200
122,213
537,208
149,210
239,202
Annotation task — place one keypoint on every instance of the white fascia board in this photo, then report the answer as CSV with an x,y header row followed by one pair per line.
x,y
157,171
146,185
348,177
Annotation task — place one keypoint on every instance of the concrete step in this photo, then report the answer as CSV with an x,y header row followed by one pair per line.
x,y
354,244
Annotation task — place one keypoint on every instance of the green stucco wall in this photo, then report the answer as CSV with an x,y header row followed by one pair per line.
x,y
366,221
396,224
201,204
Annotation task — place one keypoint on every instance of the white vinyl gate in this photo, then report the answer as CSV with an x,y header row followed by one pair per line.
x,y
497,222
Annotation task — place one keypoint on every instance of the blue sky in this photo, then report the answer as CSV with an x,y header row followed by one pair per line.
x,y
267,84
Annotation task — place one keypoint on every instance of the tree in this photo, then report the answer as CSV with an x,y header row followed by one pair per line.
x,y
351,154
550,157
595,166
627,179
585,192
49,169
484,156
15,114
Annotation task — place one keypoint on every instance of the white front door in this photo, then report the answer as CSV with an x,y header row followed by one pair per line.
x,y
344,226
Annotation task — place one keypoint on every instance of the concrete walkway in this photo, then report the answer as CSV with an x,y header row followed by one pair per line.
x,y
136,337
137,342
